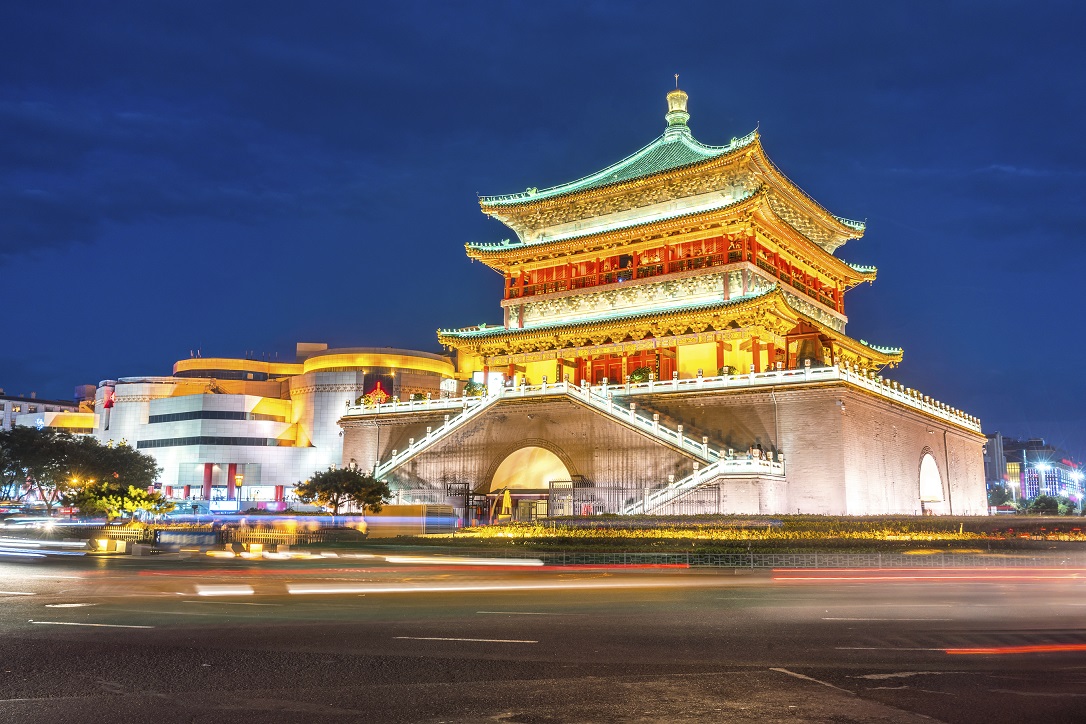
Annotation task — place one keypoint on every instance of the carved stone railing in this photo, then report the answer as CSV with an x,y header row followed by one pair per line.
x,y
702,476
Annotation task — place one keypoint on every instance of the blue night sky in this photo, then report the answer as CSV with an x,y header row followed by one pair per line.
x,y
242,176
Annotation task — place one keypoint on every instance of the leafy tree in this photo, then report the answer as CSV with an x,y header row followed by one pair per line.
x,y
35,460
336,487
998,494
1043,505
113,499
474,389
641,374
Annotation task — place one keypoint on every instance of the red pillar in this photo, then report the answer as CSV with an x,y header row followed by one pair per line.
x,y
209,469
231,481
756,358
771,356
169,491
187,492
278,493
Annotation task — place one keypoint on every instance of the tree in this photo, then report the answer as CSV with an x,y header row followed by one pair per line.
x,y
335,487
35,460
998,494
112,499
78,470
474,389
1044,505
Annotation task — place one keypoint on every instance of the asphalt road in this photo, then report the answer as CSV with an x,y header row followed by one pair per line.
x,y
358,639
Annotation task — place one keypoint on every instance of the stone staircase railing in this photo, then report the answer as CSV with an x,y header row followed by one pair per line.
x,y
473,406
725,466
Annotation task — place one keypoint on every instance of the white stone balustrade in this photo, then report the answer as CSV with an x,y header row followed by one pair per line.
x,y
601,397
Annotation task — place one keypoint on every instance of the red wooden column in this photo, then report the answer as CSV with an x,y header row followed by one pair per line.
x,y
633,265
756,358
187,492
231,481
278,493
209,470
771,356
719,355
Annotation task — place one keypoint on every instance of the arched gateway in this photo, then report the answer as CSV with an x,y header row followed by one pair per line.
x,y
529,468
931,485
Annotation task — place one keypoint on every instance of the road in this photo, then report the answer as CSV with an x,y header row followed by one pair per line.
x,y
367,639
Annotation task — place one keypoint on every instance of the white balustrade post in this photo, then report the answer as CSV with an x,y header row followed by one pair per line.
x,y
652,380
656,422
675,380
429,431
705,445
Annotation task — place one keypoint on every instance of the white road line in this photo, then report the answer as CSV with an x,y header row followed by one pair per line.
x,y
885,648
69,605
817,681
485,641
234,603
843,618
15,593
523,613
97,625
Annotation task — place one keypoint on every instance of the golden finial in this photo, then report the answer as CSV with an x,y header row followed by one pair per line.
x,y
676,80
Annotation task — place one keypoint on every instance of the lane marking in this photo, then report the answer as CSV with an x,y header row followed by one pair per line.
x,y
96,625
843,618
808,678
15,593
885,648
485,641
69,605
523,613
234,603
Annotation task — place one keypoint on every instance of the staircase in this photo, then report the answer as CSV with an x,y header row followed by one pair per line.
x,y
673,491
474,406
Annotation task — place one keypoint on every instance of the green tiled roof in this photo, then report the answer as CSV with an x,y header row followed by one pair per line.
x,y
506,244
891,351
674,149
862,268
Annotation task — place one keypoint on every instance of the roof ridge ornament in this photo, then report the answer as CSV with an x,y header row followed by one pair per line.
x,y
677,115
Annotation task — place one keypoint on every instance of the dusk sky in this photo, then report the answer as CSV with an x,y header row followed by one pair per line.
x,y
232,177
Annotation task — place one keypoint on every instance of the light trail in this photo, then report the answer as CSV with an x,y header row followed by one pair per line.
x,y
861,575
224,590
94,625
1027,649
485,641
